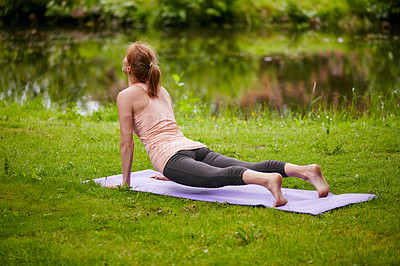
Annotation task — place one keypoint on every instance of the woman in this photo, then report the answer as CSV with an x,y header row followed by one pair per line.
x,y
145,108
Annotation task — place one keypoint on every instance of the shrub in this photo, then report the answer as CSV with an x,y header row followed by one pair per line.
x,y
383,10
14,12
195,13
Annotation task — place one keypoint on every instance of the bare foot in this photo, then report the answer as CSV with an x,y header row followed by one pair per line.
x,y
314,176
271,181
274,185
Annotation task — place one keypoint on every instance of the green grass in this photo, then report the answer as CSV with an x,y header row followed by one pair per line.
x,y
48,215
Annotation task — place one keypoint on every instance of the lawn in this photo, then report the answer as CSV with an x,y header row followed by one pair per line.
x,y
49,216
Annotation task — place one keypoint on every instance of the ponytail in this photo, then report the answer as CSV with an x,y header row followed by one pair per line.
x,y
154,79
143,61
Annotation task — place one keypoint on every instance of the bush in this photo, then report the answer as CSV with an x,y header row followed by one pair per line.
x,y
196,12
383,10
203,13
25,12
331,13
296,13
93,12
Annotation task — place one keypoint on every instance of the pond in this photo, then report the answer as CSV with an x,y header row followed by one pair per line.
x,y
278,68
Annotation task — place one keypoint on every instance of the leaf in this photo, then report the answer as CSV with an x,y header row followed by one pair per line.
x,y
176,78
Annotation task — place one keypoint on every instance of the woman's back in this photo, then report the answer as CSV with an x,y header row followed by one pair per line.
x,y
157,129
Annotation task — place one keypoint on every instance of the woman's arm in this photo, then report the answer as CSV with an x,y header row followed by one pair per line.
x,y
125,113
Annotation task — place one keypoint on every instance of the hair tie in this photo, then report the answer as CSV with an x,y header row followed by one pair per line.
x,y
151,64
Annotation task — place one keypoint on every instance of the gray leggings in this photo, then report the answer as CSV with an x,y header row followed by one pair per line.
x,y
205,168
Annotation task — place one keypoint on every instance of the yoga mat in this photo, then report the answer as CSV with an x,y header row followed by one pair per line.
x,y
300,201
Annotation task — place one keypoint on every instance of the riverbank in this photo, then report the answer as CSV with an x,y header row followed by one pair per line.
x,y
275,67
49,216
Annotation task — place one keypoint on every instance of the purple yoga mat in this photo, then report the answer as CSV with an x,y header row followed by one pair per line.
x,y
300,201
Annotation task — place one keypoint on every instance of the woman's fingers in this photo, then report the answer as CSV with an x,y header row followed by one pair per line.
x,y
112,186
157,177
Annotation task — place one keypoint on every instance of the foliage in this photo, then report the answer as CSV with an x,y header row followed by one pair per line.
x,y
196,13
384,10
333,12
203,13
108,12
13,12
296,13
377,11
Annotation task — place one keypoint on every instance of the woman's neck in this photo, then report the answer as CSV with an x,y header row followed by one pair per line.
x,y
132,80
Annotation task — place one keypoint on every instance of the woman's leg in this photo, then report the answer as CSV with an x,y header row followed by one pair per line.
x,y
270,166
310,173
186,168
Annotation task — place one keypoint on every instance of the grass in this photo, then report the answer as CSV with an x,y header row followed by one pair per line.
x,y
49,216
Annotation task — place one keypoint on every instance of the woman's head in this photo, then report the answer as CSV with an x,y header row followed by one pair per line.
x,y
141,62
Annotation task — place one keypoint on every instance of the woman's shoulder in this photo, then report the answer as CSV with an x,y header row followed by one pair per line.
x,y
132,91
134,98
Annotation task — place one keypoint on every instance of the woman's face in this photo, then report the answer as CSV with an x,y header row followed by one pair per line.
x,y
125,67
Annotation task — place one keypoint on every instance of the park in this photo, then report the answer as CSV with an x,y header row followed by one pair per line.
x,y
297,81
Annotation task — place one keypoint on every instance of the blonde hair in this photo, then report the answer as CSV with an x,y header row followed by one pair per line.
x,y
143,61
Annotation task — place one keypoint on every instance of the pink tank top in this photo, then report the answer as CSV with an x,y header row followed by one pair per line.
x,y
157,129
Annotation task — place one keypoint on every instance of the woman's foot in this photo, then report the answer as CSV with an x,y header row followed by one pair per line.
x,y
274,185
310,173
314,176
271,181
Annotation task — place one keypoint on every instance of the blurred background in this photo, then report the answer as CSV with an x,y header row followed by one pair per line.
x,y
276,54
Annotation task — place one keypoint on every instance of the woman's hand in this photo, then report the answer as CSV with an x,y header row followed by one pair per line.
x,y
120,186
113,185
157,177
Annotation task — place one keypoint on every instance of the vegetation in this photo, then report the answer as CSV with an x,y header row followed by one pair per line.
x,y
48,215
205,13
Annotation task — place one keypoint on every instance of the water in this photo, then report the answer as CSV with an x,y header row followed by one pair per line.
x,y
278,68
